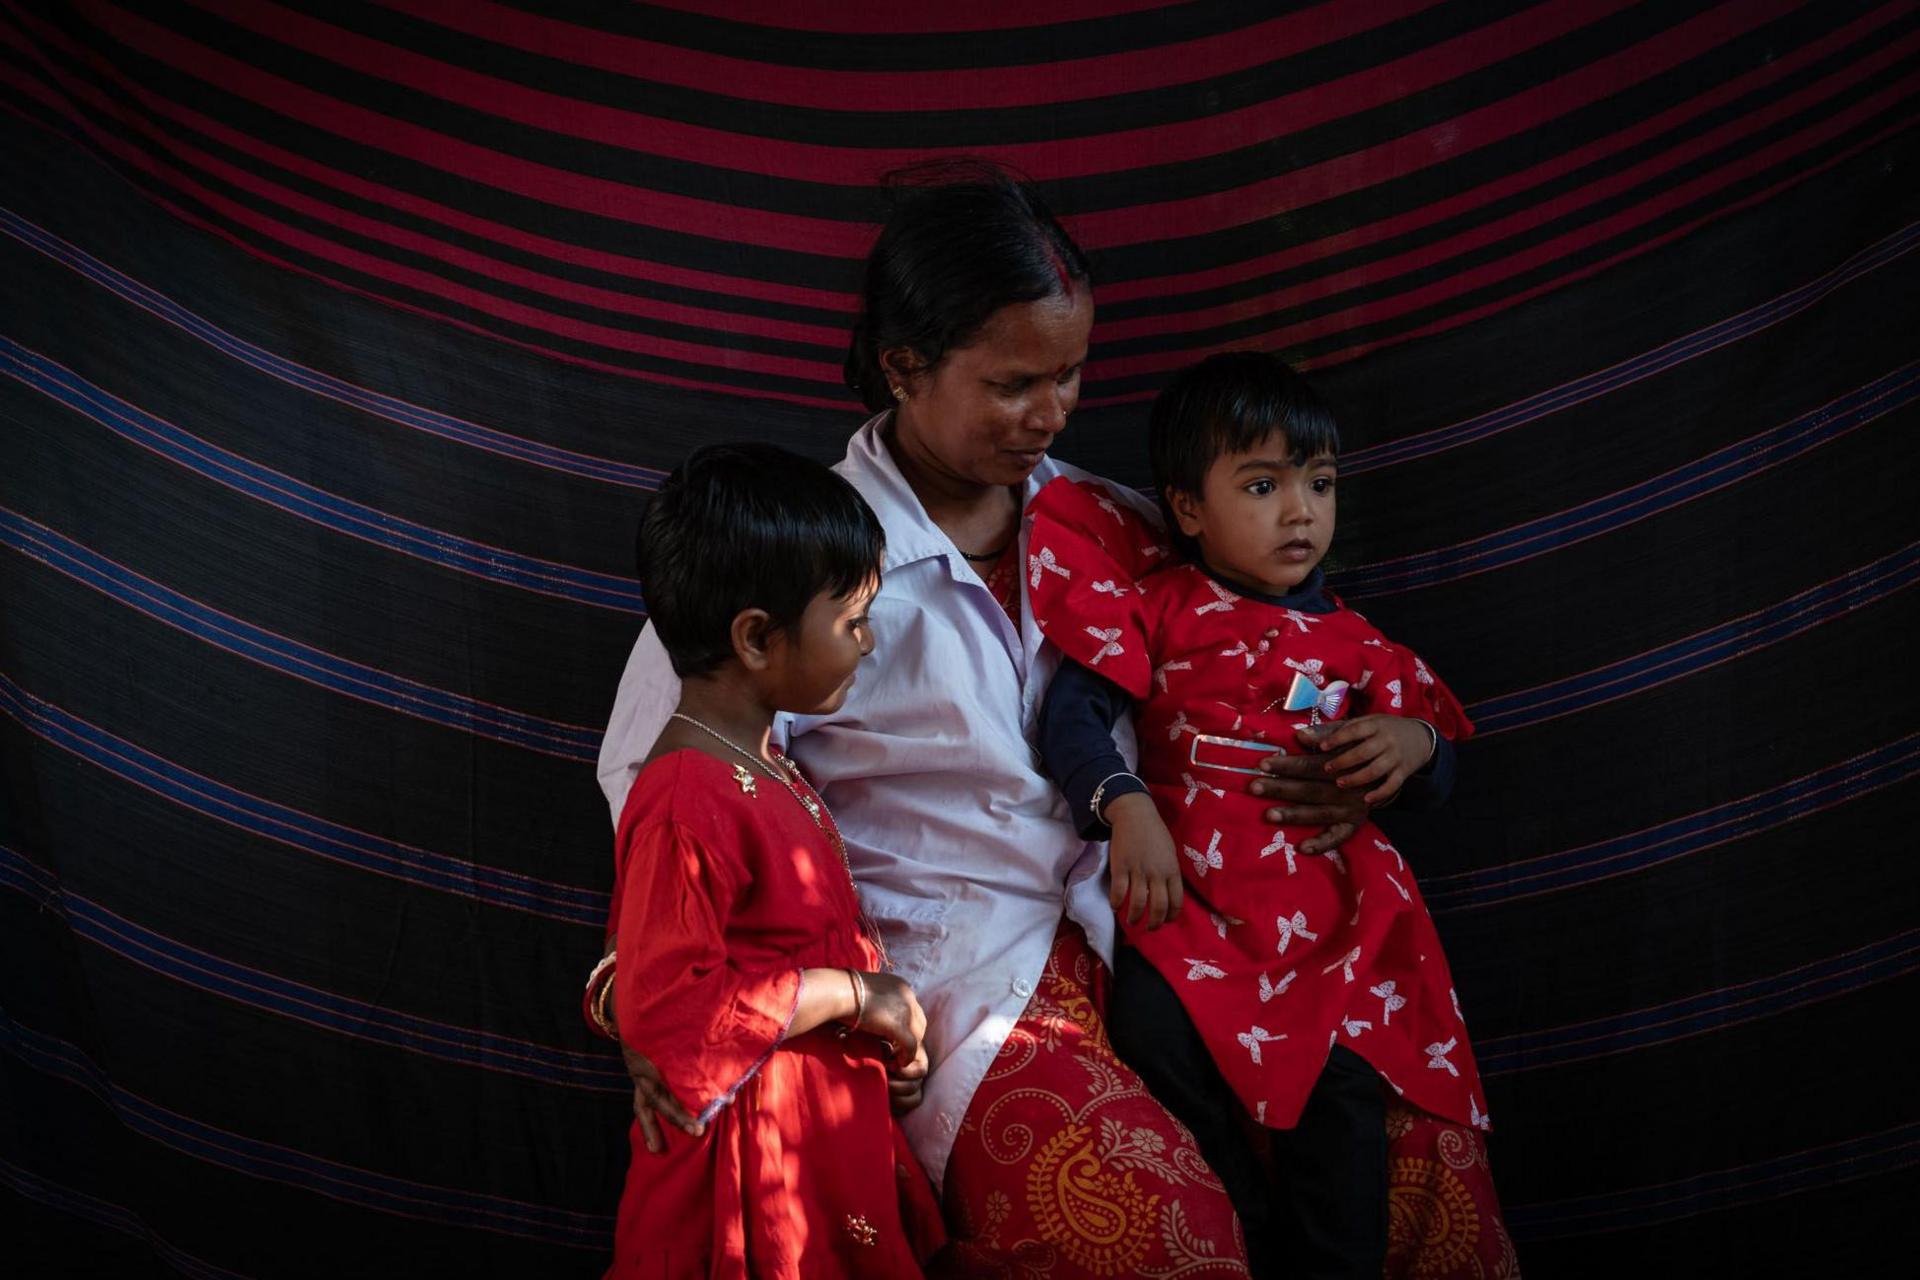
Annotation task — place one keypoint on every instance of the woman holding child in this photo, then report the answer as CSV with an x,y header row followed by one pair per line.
x,y
1051,1155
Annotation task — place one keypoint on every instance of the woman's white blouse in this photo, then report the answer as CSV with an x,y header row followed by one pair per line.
x,y
963,849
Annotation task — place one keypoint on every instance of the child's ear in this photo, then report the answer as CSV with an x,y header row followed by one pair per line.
x,y
753,635
1186,510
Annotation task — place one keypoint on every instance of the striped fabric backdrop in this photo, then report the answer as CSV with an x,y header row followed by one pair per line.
x,y
342,343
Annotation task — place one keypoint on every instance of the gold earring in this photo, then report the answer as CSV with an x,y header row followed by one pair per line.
x,y
899,392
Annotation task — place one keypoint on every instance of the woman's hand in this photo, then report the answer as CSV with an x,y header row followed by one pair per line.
x,y
1145,868
654,1102
906,1086
1309,798
893,1014
1383,749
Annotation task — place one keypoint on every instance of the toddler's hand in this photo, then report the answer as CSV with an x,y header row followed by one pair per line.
x,y
1383,749
893,1013
1146,870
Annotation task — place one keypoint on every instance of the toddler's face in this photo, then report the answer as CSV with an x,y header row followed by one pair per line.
x,y
812,666
1261,520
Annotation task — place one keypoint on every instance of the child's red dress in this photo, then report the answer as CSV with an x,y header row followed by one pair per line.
x,y
1276,955
722,896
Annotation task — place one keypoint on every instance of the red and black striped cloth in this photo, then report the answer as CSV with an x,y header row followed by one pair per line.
x,y
343,341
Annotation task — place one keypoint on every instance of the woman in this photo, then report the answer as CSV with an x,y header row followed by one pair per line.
x,y
1048,1150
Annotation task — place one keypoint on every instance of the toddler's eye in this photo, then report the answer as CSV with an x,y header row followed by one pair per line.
x,y
1323,484
1260,488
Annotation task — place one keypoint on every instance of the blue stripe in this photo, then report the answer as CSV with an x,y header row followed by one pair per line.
x,y
1644,671
382,406
1615,511
1882,767
369,684
586,586
270,1162
111,1216
1644,365
328,1010
1865,1157
1826,979
299,830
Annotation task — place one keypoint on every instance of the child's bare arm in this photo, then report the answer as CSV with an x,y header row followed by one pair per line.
x,y
1145,867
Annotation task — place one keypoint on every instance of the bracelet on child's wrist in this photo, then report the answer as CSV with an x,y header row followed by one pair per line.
x,y
1100,793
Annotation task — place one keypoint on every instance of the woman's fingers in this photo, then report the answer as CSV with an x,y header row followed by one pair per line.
x,y
649,1126
1176,896
1332,838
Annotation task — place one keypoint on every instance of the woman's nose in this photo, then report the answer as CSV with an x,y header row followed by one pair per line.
x,y
1051,415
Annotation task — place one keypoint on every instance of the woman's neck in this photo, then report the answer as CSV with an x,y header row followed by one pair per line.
x,y
979,518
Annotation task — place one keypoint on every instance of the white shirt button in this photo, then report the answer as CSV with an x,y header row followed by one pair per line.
x,y
1022,988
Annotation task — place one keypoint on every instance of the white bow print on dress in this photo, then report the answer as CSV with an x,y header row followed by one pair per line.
x,y
1294,928
1384,847
1223,600
1220,922
1302,621
1390,1000
1421,673
1311,668
1109,588
1280,844
1437,1057
1254,1037
1106,505
1239,650
1404,895
1345,964
1110,646
1160,672
1393,687
1203,861
1355,1026
1339,863
1198,969
1194,788
1475,1116
1179,726
1268,990
1042,561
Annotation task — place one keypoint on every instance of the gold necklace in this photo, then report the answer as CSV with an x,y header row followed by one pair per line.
x,y
816,809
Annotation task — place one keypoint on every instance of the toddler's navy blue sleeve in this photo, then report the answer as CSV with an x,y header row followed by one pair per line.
x,y
1076,742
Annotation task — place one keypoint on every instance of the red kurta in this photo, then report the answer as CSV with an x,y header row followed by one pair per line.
x,y
721,898
1276,955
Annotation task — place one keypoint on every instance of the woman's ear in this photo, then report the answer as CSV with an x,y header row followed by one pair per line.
x,y
1186,510
753,635
901,365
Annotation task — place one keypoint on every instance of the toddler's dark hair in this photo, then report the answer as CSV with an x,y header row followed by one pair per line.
x,y
748,526
1228,403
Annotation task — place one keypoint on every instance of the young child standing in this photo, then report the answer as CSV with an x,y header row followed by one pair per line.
x,y
1302,986
745,970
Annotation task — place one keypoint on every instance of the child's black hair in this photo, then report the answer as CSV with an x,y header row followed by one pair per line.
x,y
748,526
1229,403
963,239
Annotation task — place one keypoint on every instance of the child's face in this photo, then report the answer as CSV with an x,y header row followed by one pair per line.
x,y
811,667
1260,520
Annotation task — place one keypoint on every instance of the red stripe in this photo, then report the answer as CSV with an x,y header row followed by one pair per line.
x,y
976,88
1355,316
1056,158
876,17
1467,317
613,264
584,192
1488,233
1524,111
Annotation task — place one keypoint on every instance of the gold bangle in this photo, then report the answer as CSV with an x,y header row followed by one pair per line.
x,y
601,1018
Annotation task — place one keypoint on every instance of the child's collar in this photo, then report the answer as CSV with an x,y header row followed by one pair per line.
x,y
1309,597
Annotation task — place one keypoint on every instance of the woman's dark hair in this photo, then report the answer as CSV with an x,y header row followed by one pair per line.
x,y
748,526
962,240
1229,403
